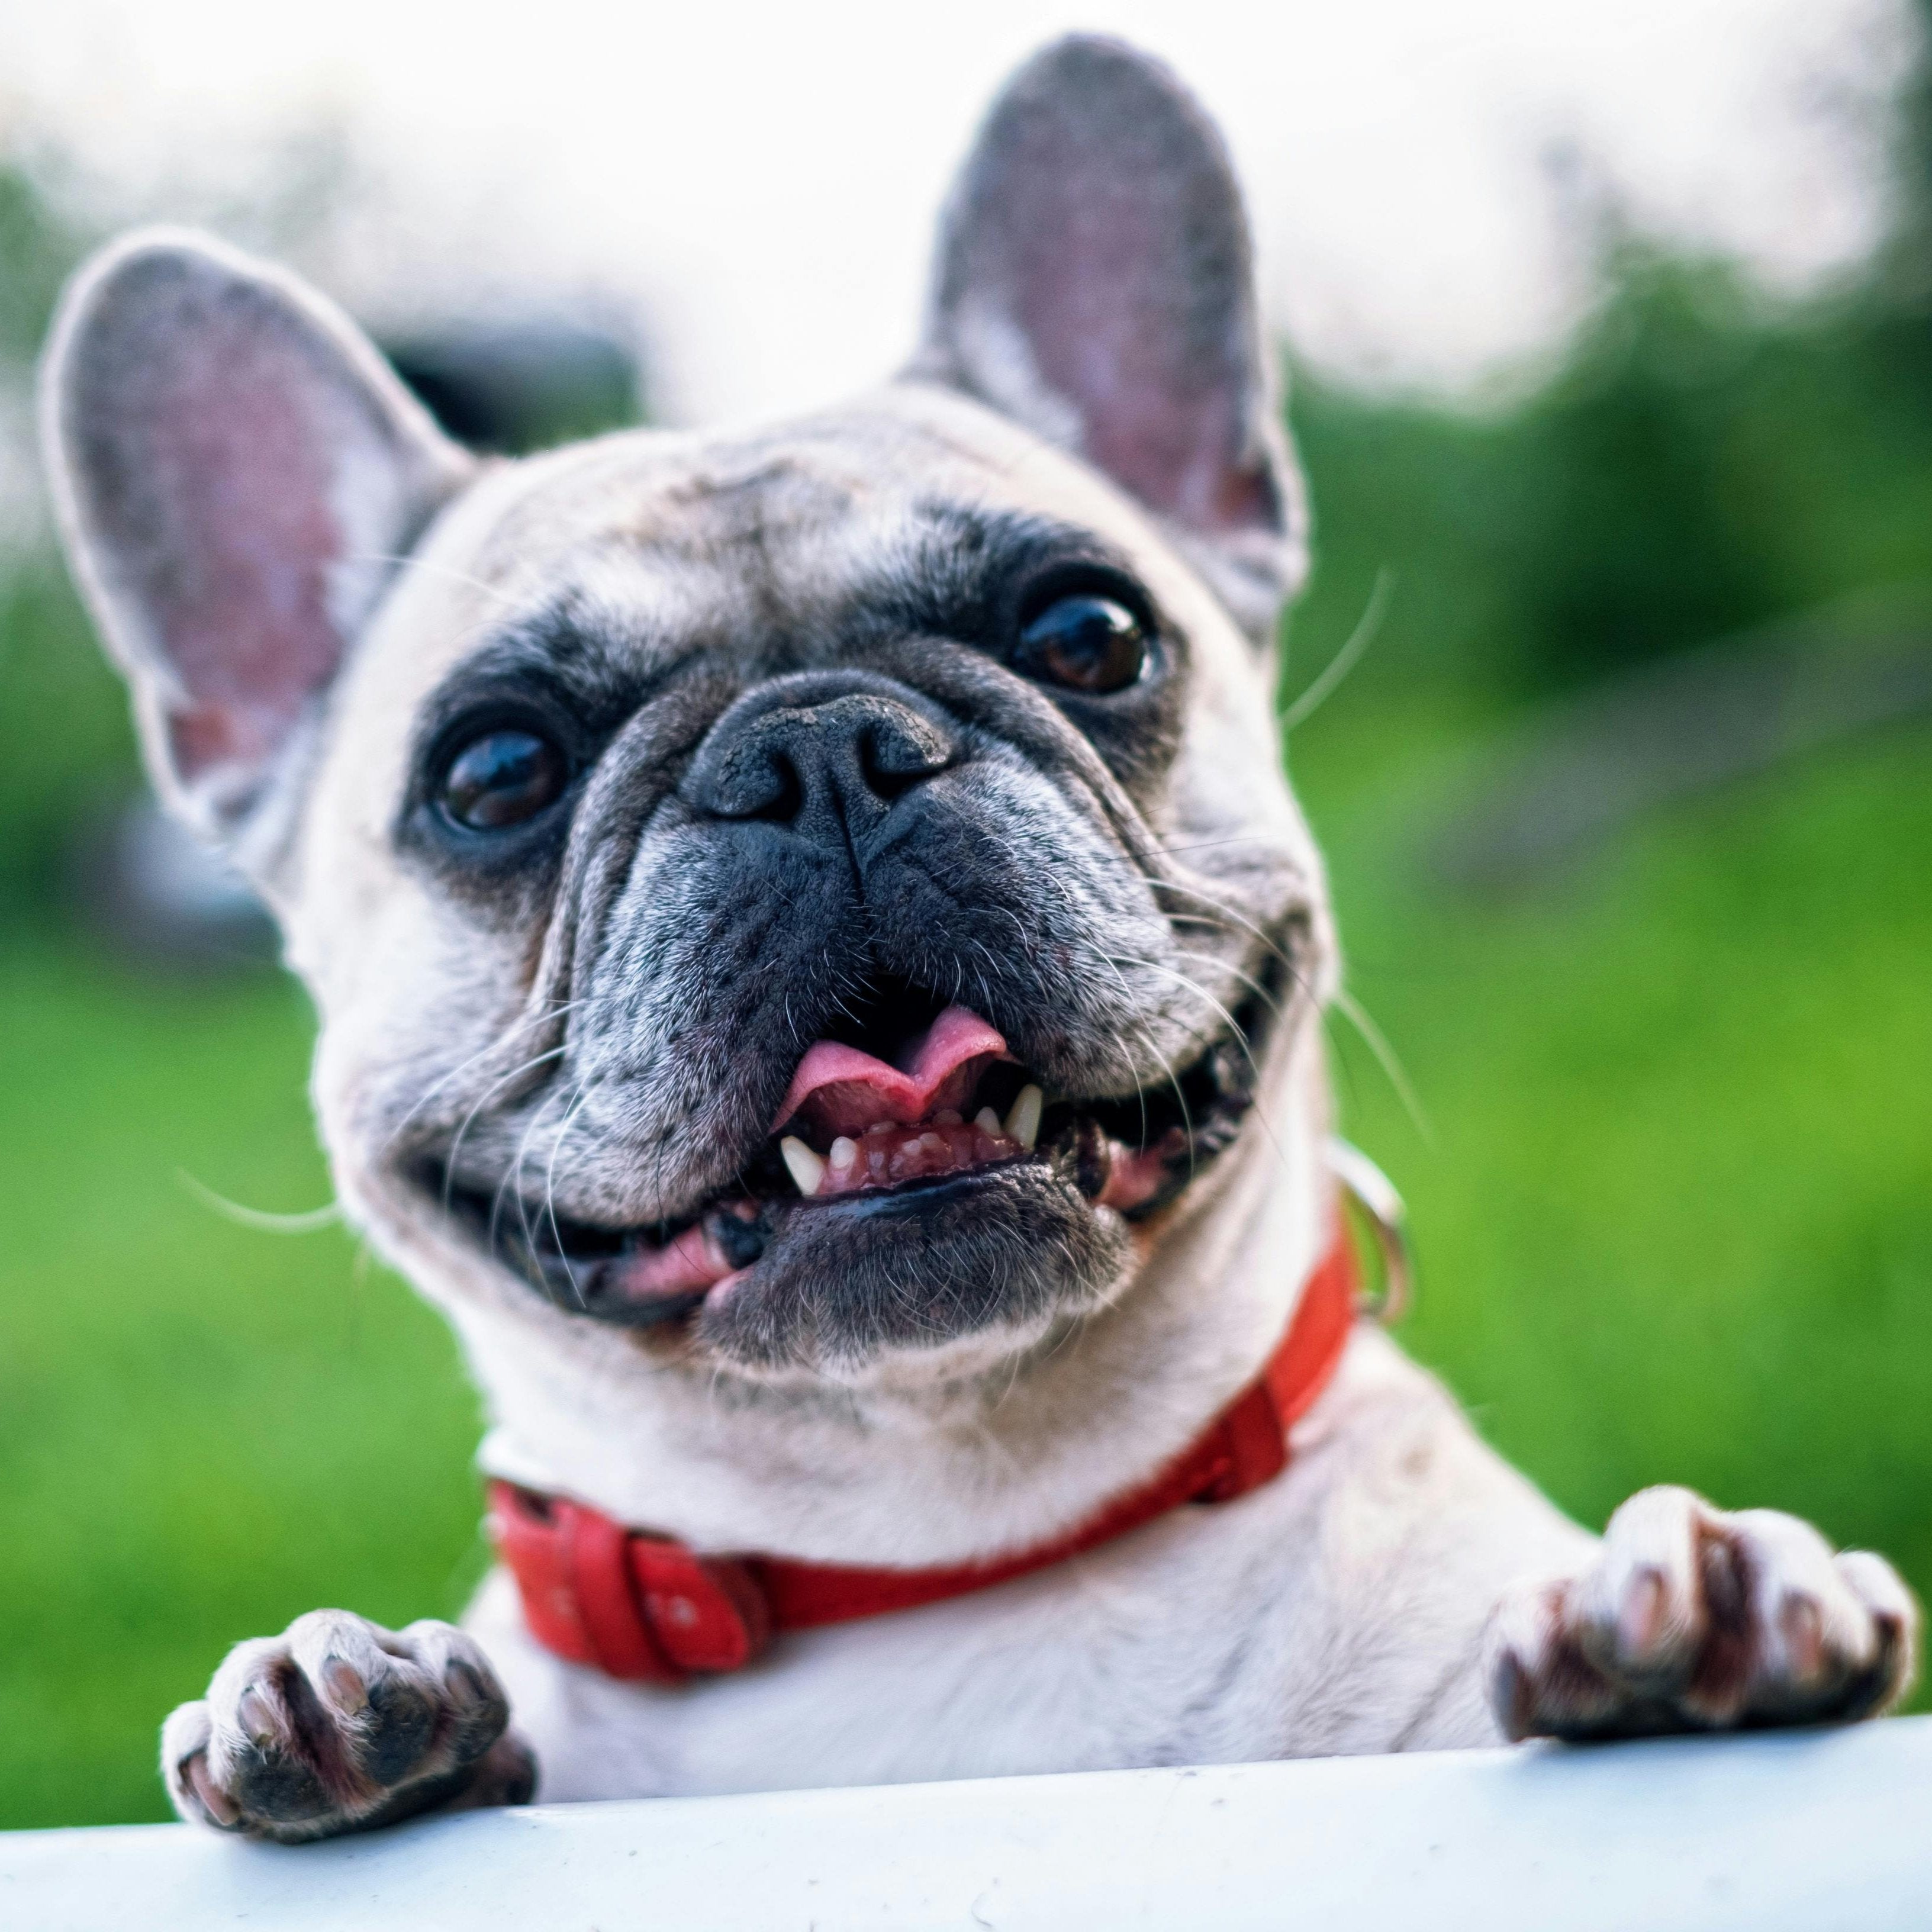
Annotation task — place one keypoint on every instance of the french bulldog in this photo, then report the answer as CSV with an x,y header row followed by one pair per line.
x,y
819,972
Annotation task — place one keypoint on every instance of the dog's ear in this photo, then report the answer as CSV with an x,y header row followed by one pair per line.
x,y
1095,282
237,473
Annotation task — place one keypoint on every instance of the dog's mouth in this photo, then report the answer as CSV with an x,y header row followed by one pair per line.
x,y
913,1098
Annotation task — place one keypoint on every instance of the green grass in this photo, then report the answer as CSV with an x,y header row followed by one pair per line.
x,y
1674,1224
1676,1212
204,1430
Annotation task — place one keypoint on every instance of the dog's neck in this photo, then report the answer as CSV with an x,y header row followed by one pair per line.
x,y
994,1463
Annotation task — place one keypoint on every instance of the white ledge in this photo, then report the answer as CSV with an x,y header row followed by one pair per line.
x,y
1802,1831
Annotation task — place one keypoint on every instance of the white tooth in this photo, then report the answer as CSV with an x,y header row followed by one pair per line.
x,y
845,1152
988,1122
1023,1119
804,1166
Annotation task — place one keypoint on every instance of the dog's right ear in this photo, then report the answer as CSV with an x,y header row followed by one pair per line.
x,y
237,474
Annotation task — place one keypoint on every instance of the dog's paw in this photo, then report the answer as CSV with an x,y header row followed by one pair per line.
x,y
1692,1620
337,1725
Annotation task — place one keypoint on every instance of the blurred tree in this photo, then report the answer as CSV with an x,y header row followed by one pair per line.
x,y
64,733
1904,268
36,251
1702,457
1625,538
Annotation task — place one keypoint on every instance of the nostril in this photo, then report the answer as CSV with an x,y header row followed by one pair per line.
x,y
892,760
816,763
784,797
762,782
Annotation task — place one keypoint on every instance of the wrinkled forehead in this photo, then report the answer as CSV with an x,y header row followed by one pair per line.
x,y
654,541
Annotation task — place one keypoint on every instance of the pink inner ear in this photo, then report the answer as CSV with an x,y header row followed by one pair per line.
x,y
1097,255
239,454
1104,303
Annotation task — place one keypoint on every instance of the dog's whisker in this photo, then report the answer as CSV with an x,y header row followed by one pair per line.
x,y
510,1186
1387,1058
311,1221
1248,980
550,1189
422,563
1354,647
1237,920
452,1158
523,1023
1239,1035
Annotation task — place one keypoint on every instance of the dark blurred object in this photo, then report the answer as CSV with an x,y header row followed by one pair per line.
x,y
1672,731
513,385
159,897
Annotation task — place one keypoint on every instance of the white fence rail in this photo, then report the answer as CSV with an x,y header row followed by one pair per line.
x,y
1820,1831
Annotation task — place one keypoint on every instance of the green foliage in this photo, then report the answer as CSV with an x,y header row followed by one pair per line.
x,y
66,743
1672,1206
204,1430
1698,462
36,252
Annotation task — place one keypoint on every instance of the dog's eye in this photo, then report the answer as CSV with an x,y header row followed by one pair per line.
x,y
1085,642
503,778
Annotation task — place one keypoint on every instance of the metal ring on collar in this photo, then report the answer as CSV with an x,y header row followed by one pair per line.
x,y
1374,1193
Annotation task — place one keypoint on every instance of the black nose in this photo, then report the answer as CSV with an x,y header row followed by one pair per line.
x,y
815,753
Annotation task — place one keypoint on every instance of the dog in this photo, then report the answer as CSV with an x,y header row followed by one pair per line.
x,y
820,971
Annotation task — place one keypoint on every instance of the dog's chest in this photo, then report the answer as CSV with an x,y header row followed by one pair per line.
x,y
1251,1631
1106,1662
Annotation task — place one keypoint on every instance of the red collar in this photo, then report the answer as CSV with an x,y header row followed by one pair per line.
x,y
651,1609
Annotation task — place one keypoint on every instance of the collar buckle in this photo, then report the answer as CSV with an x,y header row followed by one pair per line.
x,y
645,1608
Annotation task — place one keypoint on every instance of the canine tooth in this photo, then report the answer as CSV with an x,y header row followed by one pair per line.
x,y
1023,1118
845,1152
988,1122
803,1166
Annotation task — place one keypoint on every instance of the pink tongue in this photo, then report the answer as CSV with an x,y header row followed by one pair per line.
x,y
843,1090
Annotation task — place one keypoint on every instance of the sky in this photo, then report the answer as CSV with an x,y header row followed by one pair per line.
x,y
759,182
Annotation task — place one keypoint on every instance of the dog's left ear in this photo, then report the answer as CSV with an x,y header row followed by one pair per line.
x,y
1095,282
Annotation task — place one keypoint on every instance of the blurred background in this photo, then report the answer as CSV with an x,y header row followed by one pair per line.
x,y
1610,337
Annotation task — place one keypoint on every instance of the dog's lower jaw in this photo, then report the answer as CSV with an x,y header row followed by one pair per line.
x,y
916,1462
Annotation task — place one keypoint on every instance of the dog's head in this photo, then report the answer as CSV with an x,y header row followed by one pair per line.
x,y
789,902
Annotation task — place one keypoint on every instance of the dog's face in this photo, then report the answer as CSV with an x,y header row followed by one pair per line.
x,y
807,903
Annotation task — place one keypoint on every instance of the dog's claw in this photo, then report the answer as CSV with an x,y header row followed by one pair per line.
x,y
1694,1620
339,1724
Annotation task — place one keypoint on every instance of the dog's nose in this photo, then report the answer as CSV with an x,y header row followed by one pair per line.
x,y
800,758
